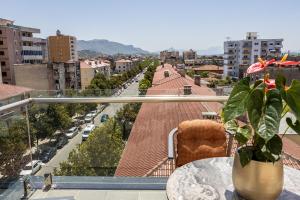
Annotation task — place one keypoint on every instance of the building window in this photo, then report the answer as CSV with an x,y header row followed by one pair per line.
x,y
256,43
3,63
4,74
0,32
1,42
1,53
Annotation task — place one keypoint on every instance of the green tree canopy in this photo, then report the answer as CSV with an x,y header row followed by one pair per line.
x,y
98,156
12,147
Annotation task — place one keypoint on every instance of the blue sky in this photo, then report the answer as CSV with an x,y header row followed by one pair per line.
x,y
160,24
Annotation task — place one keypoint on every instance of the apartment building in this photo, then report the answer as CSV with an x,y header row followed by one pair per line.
x,y
17,45
66,75
206,60
123,65
48,76
240,54
189,55
35,76
89,68
62,48
171,57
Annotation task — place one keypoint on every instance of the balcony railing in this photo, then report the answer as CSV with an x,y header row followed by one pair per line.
x,y
144,124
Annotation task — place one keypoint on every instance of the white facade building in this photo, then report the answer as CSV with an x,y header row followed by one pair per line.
x,y
89,68
123,65
240,54
32,51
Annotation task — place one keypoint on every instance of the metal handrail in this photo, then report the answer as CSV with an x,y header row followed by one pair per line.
x,y
132,99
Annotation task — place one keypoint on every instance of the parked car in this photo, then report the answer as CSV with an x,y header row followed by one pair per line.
x,y
93,113
61,141
48,153
86,131
104,118
31,168
72,132
88,118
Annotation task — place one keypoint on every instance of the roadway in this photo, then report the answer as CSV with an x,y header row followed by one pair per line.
x,y
111,110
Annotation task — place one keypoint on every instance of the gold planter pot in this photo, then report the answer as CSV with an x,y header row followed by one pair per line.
x,y
257,180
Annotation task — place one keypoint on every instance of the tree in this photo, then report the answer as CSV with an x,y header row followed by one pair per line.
x,y
98,156
204,74
40,122
144,84
58,117
12,147
125,118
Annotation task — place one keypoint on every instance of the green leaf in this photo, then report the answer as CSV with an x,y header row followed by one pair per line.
x,y
295,126
236,104
269,123
274,145
245,156
293,98
280,82
243,134
257,83
255,105
231,125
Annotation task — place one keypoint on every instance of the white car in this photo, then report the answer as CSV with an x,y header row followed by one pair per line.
x,y
72,132
93,113
88,118
28,170
87,130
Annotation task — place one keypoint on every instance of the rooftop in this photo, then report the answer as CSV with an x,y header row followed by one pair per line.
x,y
144,152
9,91
123,60
209,68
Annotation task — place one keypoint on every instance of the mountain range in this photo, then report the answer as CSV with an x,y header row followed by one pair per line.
x,y
217,50
102,46
108,47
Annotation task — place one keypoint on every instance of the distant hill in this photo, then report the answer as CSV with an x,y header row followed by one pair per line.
x,y
88,54
218,50
108,47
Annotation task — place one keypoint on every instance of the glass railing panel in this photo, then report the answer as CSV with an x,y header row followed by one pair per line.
x,y
15,152
89,139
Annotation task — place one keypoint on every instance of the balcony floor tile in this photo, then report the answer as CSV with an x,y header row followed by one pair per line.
x,y
99,194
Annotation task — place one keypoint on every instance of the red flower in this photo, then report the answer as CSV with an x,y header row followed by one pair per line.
x,y
270,83
287,63
259,66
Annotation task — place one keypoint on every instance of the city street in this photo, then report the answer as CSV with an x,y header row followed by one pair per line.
x,y
62,154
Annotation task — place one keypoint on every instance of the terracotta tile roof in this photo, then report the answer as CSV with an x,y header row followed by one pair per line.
x,y
8,91
291,147
159,74
83,64
147,143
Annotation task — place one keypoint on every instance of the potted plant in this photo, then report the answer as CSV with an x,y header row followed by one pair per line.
x,y
258,169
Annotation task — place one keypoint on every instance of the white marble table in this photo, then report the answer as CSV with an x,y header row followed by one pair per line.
x,y
210,179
